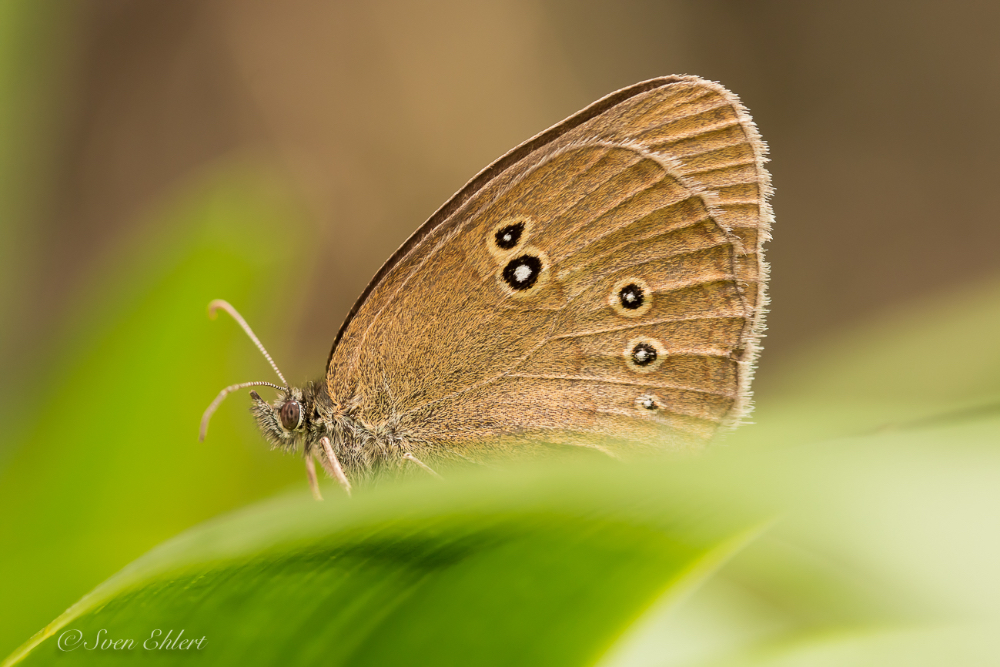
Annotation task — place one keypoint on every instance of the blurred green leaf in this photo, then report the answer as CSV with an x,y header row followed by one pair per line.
x,y
111,465
494,570
883,552
876,550
923,363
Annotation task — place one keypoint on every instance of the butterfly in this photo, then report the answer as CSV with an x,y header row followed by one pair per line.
x,y
600,286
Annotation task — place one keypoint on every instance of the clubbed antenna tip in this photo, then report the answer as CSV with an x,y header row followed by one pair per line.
x,y
225,305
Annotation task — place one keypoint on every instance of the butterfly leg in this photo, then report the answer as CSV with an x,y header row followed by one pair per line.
x,y
332,465
410,457
311,474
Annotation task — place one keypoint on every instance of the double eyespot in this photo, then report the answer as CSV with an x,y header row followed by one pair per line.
x,y
291,415
522,268
631,297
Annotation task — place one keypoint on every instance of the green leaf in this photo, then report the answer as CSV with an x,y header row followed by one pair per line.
x,y
873,550
925,362
107,463
537,569
883,552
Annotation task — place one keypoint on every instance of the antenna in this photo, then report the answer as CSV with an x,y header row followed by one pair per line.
x,y
224,305
218,399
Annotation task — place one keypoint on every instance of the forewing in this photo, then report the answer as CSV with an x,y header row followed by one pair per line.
x,y
471,334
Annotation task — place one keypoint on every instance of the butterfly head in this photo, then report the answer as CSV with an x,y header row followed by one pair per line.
x,y
289,419
295,415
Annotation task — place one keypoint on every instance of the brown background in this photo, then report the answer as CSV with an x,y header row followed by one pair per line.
x,y
881,117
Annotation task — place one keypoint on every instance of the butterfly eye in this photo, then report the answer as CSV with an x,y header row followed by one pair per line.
x,y
509,236
291,415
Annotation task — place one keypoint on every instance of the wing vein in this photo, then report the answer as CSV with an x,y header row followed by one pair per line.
x,y
636,325
631,383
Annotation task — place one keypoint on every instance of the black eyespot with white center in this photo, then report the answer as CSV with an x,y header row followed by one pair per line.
x,y
631,296
647,402
509,236
291,415
522,272
643,354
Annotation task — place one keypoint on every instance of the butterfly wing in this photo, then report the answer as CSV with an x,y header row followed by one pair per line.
x,y
603,282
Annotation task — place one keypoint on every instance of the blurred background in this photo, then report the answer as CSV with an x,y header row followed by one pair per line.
x,y
156,155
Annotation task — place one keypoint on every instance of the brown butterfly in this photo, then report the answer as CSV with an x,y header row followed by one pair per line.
x,y
602,285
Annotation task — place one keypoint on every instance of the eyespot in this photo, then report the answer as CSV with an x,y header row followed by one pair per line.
x,y
524,272
508,235
644,354
647,402
291,415
631,297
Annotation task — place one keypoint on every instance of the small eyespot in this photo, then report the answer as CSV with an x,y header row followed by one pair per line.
x,y
509,236
647,402
644,354
522,272
631,297
291,415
